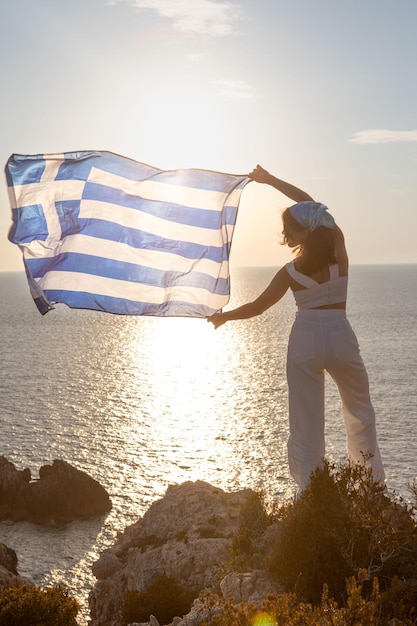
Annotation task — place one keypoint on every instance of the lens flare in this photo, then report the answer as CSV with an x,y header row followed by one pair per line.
x,y
263,619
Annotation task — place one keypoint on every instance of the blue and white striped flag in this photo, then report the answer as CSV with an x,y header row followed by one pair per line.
x,y
101,231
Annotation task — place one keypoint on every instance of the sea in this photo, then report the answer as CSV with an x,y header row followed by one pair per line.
x,y
140,403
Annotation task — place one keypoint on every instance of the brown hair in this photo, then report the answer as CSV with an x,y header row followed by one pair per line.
x,y
316,251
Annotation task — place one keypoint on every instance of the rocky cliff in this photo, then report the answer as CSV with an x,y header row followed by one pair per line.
x,y
185,536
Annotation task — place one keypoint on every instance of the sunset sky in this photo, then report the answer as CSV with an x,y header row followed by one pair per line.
x,y
323,93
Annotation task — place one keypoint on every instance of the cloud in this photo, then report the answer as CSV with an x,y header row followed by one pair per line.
x,y
383,136
201,17
234,89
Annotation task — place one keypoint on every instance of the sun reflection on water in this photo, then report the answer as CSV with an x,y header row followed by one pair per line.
x,y
190,407
177,366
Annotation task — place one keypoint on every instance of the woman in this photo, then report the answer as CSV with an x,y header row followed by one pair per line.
x,y
321,338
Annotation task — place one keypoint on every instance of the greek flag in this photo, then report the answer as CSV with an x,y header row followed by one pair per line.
x,y
100,231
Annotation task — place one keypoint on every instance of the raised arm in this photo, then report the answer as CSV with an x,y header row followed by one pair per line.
x,y
260,175
274,292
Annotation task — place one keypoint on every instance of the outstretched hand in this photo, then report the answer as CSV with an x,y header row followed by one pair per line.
x,y
260,175
218,319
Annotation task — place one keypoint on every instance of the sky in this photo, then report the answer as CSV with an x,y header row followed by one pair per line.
x,y
322,93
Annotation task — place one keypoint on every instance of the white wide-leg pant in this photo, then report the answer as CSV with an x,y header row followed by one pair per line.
x,y
323,340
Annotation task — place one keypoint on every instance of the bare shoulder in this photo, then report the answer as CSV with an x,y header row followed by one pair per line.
x,y
341,252
280,282
283,276
338,233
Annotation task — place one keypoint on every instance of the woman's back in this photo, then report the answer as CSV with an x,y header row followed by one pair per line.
x,y
326,288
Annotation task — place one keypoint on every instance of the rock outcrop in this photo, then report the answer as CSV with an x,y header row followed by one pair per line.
x,y
9,576
62,494
187,536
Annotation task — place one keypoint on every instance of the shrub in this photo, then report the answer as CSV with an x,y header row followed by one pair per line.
x,y
246,550
286,610
164,599
341,524
23,606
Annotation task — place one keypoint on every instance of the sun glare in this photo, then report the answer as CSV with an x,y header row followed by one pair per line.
x,y
185,121
173,358
188,404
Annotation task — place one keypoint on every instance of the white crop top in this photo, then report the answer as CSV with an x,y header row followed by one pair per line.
x,y
317,294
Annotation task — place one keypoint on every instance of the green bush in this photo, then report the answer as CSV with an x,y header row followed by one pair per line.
x,y
32,606
246,551
164,599
344,523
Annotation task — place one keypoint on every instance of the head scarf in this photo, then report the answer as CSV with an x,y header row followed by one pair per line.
x,y
311,215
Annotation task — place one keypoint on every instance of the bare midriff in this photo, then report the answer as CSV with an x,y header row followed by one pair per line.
x,y
337,305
